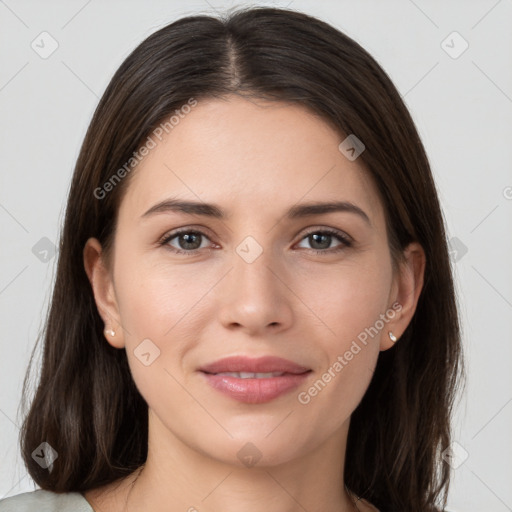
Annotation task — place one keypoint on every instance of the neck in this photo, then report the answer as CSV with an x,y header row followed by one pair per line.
x,y
178,477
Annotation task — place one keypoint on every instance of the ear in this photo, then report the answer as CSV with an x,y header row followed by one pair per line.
x,y
104,293
406,289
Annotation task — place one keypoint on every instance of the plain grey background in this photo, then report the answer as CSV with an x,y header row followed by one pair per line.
x,y
460,99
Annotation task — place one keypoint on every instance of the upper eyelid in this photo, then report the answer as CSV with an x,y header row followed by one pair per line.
x,y
334,231
178,231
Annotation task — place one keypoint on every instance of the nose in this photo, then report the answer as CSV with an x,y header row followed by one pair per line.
x,y
255,297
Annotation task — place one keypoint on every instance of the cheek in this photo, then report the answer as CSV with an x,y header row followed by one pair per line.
x,y
162,302
153,299
351,304
348,300
158,306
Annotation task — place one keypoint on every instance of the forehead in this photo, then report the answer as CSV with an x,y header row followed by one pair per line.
x,y
249,155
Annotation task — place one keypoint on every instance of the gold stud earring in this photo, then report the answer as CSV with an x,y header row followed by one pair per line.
x,y
392,337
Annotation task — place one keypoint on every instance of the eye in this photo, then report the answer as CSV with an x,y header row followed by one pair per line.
x,y
188,241
321,239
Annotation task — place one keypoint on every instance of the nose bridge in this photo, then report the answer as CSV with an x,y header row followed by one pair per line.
x,y
252,265
255,298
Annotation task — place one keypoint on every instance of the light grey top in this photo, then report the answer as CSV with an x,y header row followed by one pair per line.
x,y
46,501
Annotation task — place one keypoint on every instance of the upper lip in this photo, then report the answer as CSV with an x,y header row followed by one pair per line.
x,y
263,364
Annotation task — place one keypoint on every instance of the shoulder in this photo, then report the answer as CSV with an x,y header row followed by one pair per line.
x,y
45,501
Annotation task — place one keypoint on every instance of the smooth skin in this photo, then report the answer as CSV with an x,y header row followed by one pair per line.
x,y
299,300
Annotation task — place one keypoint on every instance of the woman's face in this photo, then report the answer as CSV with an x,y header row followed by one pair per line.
x,y
256,275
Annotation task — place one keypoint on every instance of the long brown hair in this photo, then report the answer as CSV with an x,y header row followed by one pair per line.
x,y
86,405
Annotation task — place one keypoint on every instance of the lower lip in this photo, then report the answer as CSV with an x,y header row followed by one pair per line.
x,y
255,391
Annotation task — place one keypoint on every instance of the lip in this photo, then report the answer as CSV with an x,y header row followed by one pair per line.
x,y
263,364
254,390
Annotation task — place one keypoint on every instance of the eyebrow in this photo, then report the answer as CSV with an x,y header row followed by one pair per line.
x,y
295,212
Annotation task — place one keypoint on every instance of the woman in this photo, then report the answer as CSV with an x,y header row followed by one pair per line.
x,y
254,307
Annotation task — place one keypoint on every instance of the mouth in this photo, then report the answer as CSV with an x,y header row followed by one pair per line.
x,y
254,381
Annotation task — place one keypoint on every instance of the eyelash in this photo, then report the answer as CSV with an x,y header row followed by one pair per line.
x,y
344,239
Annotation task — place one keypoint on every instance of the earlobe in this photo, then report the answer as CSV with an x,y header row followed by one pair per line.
x,y
103,290
407,286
